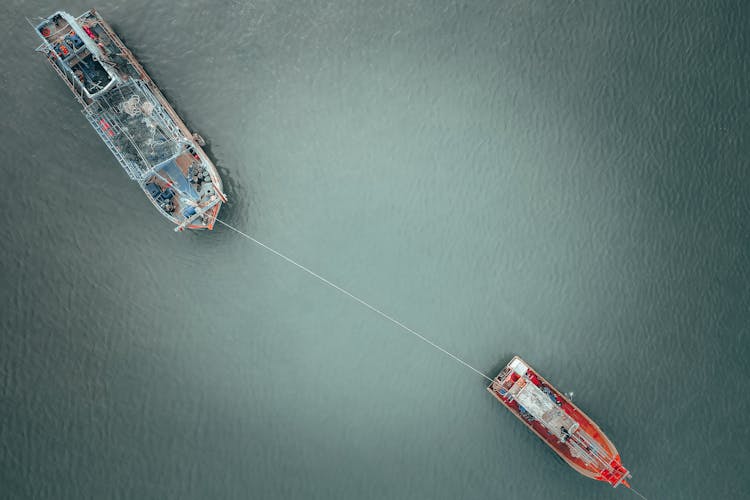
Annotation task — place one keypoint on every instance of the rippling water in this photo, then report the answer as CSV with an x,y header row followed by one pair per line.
x,y
562,180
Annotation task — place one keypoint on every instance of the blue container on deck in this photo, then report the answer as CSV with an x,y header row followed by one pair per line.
x,y
189,212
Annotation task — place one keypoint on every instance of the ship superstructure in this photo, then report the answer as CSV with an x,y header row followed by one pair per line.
x,y
558,422
132,117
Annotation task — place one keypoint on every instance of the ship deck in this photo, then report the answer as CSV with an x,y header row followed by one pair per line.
x,y
134,119
587,449
135,70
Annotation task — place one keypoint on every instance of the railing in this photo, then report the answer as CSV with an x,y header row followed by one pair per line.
x,y
130,167
64,75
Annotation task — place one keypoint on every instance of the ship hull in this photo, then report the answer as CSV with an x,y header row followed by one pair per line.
x,y
549,414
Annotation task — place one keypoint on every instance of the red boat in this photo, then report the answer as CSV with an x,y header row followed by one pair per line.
x,y
558,422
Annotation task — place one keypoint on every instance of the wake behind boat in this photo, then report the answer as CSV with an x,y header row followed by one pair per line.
x,y
132,117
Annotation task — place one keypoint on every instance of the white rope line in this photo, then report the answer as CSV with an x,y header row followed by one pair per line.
x,y
354,297
637,493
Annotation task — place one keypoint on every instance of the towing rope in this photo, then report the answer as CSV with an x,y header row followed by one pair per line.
x,y
637,493
357,299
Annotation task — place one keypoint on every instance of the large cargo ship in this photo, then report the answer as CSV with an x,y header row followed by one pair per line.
x,y
558,422
132,117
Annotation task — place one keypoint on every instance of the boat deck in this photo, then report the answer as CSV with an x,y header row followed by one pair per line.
x,y
134,119
558,422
